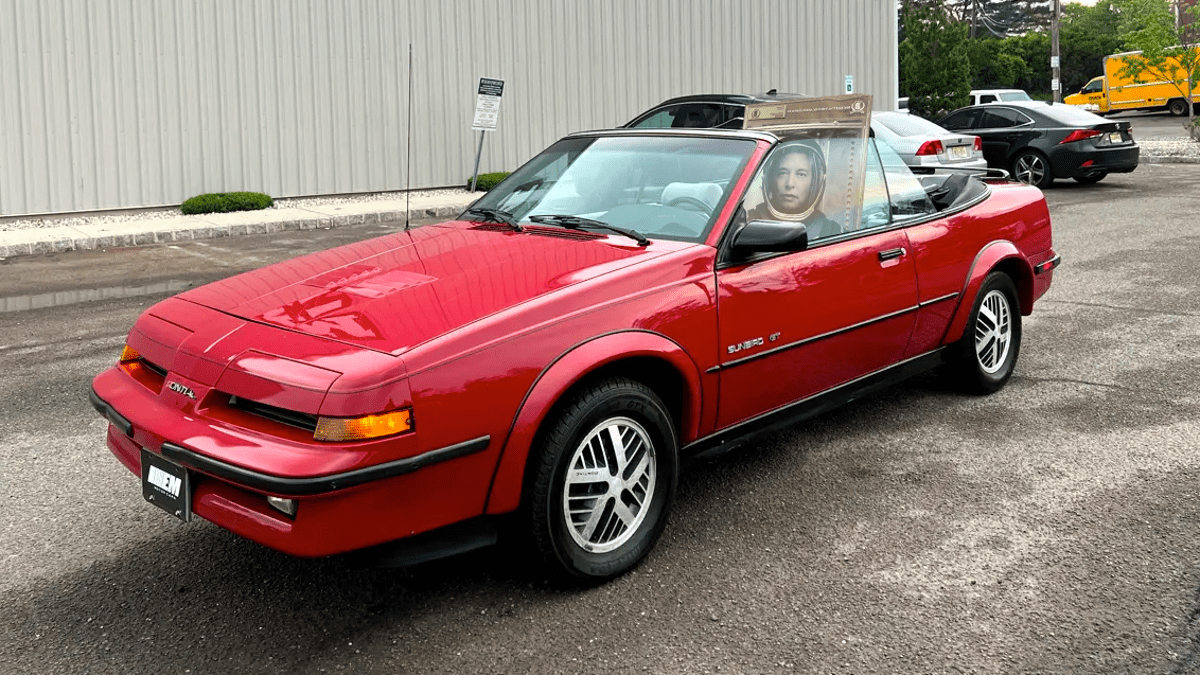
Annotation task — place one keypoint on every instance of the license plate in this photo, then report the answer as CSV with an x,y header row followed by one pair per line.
x,y
1114,137
960,151
165,484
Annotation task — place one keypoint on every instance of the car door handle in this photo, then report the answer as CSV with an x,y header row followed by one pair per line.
x,y
891,254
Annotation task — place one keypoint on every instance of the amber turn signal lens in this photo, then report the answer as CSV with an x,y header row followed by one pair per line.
x,y
129,354
363,428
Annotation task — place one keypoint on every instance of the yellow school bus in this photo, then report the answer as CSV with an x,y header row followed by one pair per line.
x,y
1112,92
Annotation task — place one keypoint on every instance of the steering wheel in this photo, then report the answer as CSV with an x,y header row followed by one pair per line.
x,y
684,200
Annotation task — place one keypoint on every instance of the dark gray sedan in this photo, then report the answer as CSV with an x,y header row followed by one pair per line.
x,y
1039,141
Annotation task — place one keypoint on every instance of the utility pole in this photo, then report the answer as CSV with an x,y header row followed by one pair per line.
x,y
1055,82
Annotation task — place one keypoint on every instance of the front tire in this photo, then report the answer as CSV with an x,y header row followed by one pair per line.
x,y
1032,168
602,480
987,353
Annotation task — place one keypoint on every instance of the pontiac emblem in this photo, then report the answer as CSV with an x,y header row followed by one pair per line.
x,y
180,389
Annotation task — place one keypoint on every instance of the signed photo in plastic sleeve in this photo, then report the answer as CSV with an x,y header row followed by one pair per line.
x,y
817,172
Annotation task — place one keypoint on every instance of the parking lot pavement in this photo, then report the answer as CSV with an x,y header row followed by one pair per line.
x,y
1053,527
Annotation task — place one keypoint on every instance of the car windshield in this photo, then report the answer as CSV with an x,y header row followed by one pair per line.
x,y
910,125
659,186
1013,96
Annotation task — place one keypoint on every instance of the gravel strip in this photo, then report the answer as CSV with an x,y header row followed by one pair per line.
x,y
1182,150
111,218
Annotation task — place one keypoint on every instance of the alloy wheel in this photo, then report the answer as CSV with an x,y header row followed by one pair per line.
x,y
609,485
993,331
1031,169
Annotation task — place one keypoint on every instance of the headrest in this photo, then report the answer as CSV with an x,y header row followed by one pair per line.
x,y
707,193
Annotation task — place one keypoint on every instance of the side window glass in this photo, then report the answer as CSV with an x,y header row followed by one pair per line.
x,y
987,98
1093,87
699,116
997,119
964,119
876,211
660,120
906,195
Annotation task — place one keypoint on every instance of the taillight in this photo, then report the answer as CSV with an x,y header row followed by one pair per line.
x,y
1080,135
978,144
930,148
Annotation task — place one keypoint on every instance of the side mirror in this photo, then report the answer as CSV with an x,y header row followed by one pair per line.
x,y
770,236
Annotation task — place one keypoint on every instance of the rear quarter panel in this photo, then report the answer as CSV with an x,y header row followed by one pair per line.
x,y
953,255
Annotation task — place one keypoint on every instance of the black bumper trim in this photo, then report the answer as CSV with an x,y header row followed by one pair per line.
x,y
300,487
1048,265
111,415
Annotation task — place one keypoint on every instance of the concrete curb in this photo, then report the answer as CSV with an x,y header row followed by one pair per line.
x,y
44,240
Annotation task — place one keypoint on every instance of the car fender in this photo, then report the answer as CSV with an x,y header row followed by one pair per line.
x,y
996,254
563,373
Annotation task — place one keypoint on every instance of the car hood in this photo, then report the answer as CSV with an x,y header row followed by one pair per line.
x,y
395,292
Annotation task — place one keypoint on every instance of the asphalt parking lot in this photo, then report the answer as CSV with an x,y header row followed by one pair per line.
x,y
1051,528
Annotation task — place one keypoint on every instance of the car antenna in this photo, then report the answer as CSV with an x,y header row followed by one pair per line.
x,y
408,146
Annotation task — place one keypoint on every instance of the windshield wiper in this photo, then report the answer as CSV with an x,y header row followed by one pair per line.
x,y
581,223
494,216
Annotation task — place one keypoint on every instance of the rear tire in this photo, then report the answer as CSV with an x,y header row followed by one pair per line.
x,y
1033,168
1091,178
1177,107
986,355
601,481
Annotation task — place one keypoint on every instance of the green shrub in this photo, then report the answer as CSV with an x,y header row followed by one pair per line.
x,y
225,202
487,181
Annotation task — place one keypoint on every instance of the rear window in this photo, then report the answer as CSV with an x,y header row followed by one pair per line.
x,y
1069,115
908,125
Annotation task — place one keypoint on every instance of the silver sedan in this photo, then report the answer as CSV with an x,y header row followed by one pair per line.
x,y
923,144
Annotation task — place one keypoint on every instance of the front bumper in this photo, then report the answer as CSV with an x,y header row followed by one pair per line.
x,y
337,512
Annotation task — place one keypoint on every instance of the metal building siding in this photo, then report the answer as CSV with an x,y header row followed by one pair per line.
x,y
122,103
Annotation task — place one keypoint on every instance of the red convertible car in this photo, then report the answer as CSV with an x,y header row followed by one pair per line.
x,y
547,359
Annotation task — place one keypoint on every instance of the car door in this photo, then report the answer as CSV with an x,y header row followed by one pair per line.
x,y
1003,131
794,325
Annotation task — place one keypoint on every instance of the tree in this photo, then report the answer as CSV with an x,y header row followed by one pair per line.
x,y
1169,52
1087,35
935,70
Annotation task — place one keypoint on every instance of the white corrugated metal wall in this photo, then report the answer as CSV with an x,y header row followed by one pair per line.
x,y
124,103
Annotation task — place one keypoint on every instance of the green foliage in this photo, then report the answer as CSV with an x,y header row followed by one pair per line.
x,y
487,181
1034,50
225,202
1086,36
996,64
1145,25
1168,53
935,69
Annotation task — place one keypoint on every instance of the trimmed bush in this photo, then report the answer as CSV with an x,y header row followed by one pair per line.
x,y
224,202
487,181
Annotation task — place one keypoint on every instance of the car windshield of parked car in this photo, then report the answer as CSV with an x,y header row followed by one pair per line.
x,y
909,125
659,186
1014,96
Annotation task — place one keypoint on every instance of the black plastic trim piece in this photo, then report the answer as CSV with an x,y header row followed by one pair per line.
x,y
1048,265
454,539
790,414
299,487
113,416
